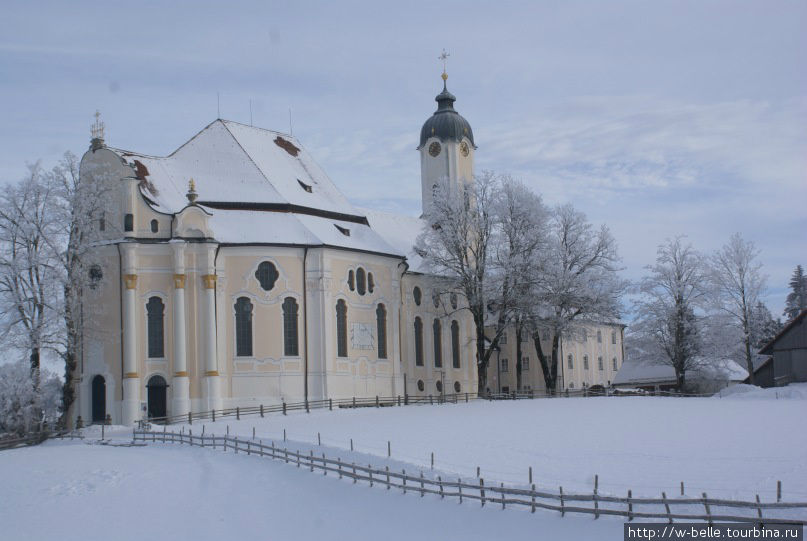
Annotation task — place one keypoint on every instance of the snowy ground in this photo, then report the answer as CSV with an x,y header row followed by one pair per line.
x,y
732,446
736,446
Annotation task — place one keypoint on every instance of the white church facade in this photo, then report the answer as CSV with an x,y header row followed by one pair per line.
x,y
258,282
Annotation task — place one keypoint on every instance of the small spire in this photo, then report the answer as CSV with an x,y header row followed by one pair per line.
x,y
97,131
444,56
192,195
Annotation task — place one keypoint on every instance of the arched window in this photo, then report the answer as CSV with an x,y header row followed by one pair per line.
x,y
613,337
341,328
585,362
290,342
155,226
418,342
128,222
418,295
243,327
156,315
615,368
381,323
351,280
600,363
453,298
599,336
438,344
455,344
570,362
370,282
361,281
267,275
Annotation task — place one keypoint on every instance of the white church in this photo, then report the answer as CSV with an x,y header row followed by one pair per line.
x,y
233,272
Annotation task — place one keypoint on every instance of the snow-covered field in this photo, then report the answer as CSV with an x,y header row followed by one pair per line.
x,y
736,446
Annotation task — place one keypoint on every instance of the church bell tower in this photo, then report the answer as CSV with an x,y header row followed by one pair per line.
x,y
446,146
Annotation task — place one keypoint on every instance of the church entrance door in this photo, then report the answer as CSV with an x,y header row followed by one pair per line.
x,y
98,399
157,397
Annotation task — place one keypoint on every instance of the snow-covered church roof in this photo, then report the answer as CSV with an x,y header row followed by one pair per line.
x,y
260,186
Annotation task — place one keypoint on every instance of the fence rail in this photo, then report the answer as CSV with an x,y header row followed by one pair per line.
x,y
490,493
34,438
383,401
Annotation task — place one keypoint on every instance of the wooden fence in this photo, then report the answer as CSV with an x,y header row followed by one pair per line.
x,y
34,438
495,493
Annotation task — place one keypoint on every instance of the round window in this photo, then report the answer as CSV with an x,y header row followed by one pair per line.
x,y
421,386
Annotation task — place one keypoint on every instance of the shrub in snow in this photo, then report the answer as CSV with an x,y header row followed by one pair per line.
x,y
22,408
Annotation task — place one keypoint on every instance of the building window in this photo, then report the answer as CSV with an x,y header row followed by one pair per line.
x,y
545,336
525,363
156,315
585,362
599,336
381,323
361,281
96,274
504,365
128,222
102,222
267,275
613,337
351,280
370,282
435,299
438,344
155,226
243,327
570,362
455,344
571,385
290,341
615,368
341,328
453,299
439,386
503,338
457,387
418,295
600,363
421,385
418,342
505,389
585,335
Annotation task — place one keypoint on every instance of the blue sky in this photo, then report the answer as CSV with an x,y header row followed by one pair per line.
x,y
657,118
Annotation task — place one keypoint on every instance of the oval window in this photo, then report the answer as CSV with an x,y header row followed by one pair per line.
x,y
421,385
439,386
418,295
457,387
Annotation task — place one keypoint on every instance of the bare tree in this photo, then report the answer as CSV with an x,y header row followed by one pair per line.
x,y
738,282
30,298
667,328
575,280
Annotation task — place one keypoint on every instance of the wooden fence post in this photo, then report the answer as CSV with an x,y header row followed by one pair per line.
x,y
482,491
399,400
248,448
370,471
502,493
682,488
532,489
253,432
706,505
284,407
387,468
330,404
466,398
286,454
354,402
562,510
319,439
759,509
530,475
389,449
596,503
298,458
440,482
237,413
778,491
421,484
311,460
431,400
261,410
666,506
477,472
351,444
630,506
459,487
339,466
214,416
324,465
376,401
190,418
354,472
403,473
307,410
284,434
432,460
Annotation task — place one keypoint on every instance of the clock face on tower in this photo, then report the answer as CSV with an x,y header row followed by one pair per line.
x,y
464,148
434,149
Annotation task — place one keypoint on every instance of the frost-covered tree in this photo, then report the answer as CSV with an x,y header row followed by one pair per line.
x,y
738,283
797,298
575,280
24,408
667,329
764,327
30,296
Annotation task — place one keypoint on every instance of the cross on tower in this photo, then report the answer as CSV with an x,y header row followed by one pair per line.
x,y
443,56
98,126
